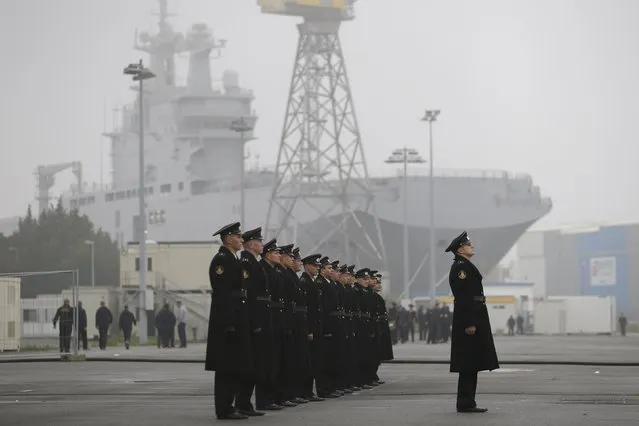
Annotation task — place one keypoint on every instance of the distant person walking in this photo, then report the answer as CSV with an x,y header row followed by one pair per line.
x,y
103,320
520,324
64,314
623,323
511,326
82,327
126,323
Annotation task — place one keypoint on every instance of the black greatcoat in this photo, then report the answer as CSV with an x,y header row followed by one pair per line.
x,y
470,353
330,324
275,278
302,343
315,313
385,344
370,330
259,301
228,348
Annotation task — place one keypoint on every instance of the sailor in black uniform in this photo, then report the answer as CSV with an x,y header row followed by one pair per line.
x,y
472,347
228,348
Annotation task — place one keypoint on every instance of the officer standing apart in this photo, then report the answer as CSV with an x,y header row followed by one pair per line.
x,y
472,346
228,348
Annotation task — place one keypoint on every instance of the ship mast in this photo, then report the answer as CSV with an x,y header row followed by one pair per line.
x,y
162,49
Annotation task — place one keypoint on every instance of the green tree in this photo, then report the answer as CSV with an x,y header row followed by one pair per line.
x,y
56,241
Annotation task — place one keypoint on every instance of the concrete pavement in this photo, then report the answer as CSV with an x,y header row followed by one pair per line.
x,y
106,393
600,350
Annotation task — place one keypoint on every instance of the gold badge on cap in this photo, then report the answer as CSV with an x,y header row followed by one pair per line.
x,y
462,275
245,273
219,270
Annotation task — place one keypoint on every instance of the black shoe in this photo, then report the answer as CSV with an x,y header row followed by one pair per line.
x,y
472,410
251,413
288,404
380,382
270,407
367,387
232,416
299,400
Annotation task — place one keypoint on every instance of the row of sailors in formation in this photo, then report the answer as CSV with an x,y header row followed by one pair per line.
x,y
290,338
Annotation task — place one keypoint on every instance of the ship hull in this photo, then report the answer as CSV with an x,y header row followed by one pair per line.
x,y
491,245
495,212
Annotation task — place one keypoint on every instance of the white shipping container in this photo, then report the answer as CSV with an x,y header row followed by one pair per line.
x,y
575,314
10,314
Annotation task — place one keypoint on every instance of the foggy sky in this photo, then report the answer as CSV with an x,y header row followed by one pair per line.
x,y
545,87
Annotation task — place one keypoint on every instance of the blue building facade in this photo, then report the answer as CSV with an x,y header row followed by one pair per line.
x,y
599,262
603,258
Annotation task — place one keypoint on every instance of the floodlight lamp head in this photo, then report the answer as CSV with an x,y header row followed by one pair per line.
x,y
431,115
132,69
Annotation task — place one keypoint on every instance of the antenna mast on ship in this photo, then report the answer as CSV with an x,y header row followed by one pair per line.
x,y
162,48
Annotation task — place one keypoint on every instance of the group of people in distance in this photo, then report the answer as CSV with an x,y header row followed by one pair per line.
x,y
292,339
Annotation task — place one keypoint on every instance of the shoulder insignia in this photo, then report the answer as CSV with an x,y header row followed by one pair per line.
x,y
219,270
462,275
245,274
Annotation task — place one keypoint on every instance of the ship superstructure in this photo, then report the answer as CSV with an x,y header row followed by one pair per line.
x,y
195,165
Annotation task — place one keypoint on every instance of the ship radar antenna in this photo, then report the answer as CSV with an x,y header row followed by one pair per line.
x,y
321,163
164,12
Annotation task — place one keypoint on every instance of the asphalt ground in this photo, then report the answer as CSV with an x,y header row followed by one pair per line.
x,y
108,393
572,350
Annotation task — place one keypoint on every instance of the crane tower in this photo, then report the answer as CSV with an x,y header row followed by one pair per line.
x,y
321,198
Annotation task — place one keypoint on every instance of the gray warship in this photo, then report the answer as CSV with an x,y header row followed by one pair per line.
x,y
196,165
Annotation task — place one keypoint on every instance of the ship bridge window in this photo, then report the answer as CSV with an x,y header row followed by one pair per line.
x,y
165,189
109,197
213,123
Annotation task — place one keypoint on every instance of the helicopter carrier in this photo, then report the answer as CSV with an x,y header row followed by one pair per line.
x,y
196,164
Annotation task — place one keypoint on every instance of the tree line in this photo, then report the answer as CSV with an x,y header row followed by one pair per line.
x,y
56,240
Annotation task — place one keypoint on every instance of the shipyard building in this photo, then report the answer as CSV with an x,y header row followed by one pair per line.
x,y
584,261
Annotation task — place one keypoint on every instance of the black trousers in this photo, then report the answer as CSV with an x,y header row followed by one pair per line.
x,y
226,389
65,337
265,392
127,334
82,334
104,334
466,389
244,394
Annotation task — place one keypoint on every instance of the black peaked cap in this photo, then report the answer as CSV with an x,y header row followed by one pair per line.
x,y
459,241
253,234
231,229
